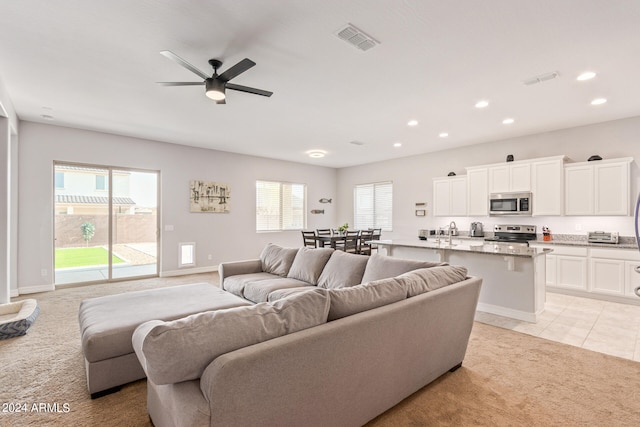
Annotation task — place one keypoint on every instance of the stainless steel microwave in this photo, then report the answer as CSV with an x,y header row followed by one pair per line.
x,y
510,204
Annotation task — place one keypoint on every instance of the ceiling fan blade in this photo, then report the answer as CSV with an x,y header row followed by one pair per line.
x,y
237,69
175,58
180,83
248,89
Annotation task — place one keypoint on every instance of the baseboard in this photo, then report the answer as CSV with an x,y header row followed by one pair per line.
x,y
185,271
35,289
14,293
508,312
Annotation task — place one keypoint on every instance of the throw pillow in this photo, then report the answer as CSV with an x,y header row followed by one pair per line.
x,y
180,350
382,267
277,260
343,270
355,299
429,279
308,264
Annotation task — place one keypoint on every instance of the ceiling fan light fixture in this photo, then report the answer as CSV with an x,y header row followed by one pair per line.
x,y
215,89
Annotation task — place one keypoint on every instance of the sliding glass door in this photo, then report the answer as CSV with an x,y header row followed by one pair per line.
x,y
106,223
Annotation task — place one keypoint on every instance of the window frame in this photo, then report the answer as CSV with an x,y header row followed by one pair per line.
x,y
282,206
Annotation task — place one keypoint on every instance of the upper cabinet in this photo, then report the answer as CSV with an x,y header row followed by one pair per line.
x,y
478,191
547,177
597,188
513,176
450,196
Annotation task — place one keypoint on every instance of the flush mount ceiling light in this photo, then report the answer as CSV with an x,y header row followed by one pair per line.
x,y
507,121
397,144
316,154
443,134
598,101
482,104
412,123
588,75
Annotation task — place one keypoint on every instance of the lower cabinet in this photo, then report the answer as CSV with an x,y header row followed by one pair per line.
x,y
593,270
632,278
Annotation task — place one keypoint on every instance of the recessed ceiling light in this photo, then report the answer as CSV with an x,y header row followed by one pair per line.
x,y
443,134
412,123
397,144
482,104
316,154
598,101
508,121
588,75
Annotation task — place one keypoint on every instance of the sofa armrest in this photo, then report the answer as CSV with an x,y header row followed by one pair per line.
x,y
226,269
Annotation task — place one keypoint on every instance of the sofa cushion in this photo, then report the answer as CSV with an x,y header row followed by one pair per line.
x,y
308,264
283,293
355,299
171,352
277,260
423,280
343,270
259,291
382,267
236,284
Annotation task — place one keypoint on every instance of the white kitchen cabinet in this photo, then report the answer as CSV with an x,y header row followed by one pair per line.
x,y
450,196
566,267
597,188
547,177
579,192
631,279
606,276
477,191
571,272
611,188
510,177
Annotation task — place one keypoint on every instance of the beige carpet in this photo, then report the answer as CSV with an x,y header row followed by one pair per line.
x,y
507,378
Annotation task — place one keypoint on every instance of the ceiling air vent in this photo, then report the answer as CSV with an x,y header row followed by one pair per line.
x,y
356,37
541,78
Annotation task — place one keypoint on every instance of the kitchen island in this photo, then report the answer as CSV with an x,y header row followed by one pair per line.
x,y
513,276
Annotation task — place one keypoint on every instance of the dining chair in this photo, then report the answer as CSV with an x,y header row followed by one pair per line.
x,y
323,232
364,246
377,233
309,239
349,242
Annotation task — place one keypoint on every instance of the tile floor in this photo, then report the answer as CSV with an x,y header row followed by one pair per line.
x,y
602,326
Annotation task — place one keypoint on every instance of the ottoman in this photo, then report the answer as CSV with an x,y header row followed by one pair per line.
x,y
107,324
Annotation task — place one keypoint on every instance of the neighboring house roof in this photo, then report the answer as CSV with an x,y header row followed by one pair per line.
x,y
93,200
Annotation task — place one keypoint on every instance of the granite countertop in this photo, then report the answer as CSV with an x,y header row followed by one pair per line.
x,y
570,240
477,246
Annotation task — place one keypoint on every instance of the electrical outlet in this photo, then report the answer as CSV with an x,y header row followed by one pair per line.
x,y
209,257
578,227
44,272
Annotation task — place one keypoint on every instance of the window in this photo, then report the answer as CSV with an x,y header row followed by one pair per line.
x,y
101,182
372,205
59,177
280,206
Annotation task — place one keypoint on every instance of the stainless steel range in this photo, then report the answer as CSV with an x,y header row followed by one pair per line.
x,y
513,234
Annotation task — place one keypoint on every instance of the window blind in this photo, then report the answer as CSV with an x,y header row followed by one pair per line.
x,y
280,206
373,205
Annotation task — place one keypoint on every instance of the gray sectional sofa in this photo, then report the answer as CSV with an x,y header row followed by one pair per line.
x,y
329,339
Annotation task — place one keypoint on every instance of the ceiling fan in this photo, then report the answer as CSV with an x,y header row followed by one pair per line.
x,y
215,85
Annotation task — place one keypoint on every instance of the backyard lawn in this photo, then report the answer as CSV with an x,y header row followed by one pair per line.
x,y
84,257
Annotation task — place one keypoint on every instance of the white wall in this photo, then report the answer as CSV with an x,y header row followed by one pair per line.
x,y
412,176
226,237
